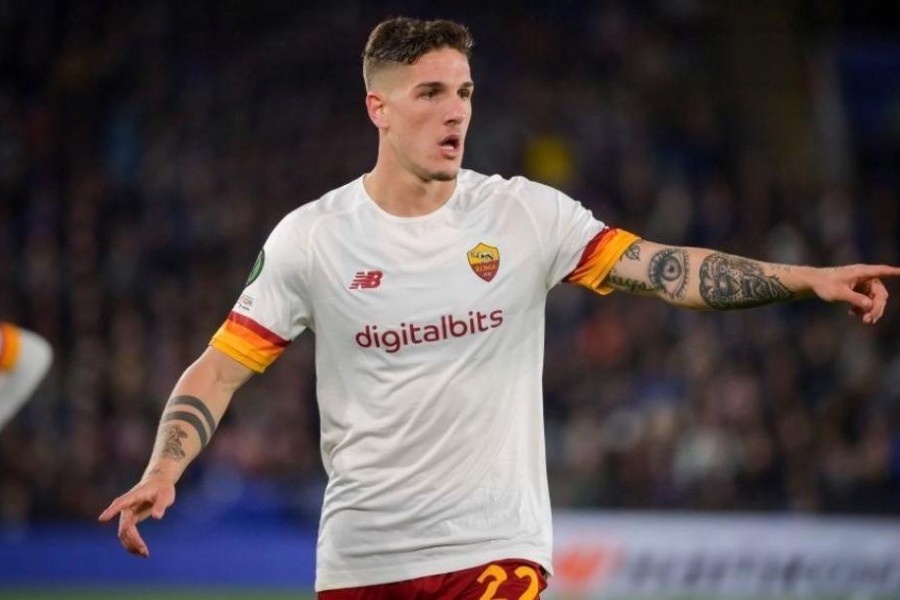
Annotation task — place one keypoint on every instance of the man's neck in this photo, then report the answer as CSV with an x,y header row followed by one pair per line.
x,y
403,194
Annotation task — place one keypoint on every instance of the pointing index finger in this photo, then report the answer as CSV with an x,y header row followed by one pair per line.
x,y
870,271
112,510
132,499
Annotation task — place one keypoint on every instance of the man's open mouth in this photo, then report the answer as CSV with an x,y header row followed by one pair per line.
x,y
450,142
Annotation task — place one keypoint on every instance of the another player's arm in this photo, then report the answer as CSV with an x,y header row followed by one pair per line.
x,y
186,426
706,279
25,358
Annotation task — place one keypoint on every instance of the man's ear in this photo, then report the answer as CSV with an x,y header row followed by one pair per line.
x,y
376,108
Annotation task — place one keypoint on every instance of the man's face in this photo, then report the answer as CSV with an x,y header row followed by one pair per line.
x,y
426,111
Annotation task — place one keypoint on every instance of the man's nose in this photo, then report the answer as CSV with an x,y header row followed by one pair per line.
x,y
458,111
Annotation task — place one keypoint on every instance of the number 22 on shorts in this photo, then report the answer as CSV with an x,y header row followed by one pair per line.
x,y
495,575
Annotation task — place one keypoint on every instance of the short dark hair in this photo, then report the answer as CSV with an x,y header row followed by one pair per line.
x,y
402,40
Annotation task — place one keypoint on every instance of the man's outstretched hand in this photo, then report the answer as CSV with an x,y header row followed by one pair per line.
x,y
858,285
149,498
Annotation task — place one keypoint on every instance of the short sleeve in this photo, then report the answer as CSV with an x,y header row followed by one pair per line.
x,y
599,257
273,307
578,247
564,227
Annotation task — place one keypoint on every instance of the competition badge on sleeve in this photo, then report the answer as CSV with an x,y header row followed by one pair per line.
x,y
484,260
257,267
245,302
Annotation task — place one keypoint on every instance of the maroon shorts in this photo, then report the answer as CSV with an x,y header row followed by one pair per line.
x,y
512,579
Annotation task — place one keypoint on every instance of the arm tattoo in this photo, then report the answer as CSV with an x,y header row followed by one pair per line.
x,y
172,447
668,272
204,432
192,420
728,282
201,407
633,252
631,286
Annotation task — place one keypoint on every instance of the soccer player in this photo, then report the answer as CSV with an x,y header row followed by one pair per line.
x,y
425,284
25,358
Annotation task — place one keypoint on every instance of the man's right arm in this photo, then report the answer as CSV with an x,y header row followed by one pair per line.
x,y
188,422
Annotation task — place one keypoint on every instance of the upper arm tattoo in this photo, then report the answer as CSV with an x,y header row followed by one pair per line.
x,y
668,272
728,282
633,252
632,286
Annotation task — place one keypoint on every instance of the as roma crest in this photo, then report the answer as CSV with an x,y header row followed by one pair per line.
x,y
484,260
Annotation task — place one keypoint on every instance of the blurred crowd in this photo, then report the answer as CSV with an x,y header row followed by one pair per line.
x,y
146,150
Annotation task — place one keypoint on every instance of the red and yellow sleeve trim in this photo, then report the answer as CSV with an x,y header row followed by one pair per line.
x,y
10,346
599,257
248,342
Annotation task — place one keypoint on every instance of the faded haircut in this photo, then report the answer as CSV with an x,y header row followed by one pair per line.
x,y
402,41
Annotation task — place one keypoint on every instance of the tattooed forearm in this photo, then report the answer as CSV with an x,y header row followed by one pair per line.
x,y
728,282
197,404
204,430
629,285
172,446
192,420
668,272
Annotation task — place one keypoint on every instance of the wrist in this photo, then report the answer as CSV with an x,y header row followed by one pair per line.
x,y
168,473
807,277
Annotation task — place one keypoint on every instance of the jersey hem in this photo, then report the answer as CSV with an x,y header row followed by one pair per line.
x,y
336,580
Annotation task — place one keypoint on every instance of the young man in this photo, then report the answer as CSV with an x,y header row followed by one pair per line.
x,y
426,284
25,358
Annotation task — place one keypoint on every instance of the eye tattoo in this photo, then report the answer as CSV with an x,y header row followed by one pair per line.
x,y
668,272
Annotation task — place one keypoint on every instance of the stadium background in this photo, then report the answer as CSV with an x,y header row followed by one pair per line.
x,y
147,148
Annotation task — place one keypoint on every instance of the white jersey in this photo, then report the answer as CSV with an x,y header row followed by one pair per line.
x,y
429,354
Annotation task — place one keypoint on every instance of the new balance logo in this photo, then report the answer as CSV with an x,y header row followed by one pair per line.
x,y
366,280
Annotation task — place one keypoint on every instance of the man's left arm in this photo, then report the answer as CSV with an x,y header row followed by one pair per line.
x,y
705,279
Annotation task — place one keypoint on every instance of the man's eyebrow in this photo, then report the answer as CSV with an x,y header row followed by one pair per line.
x,y
441,85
